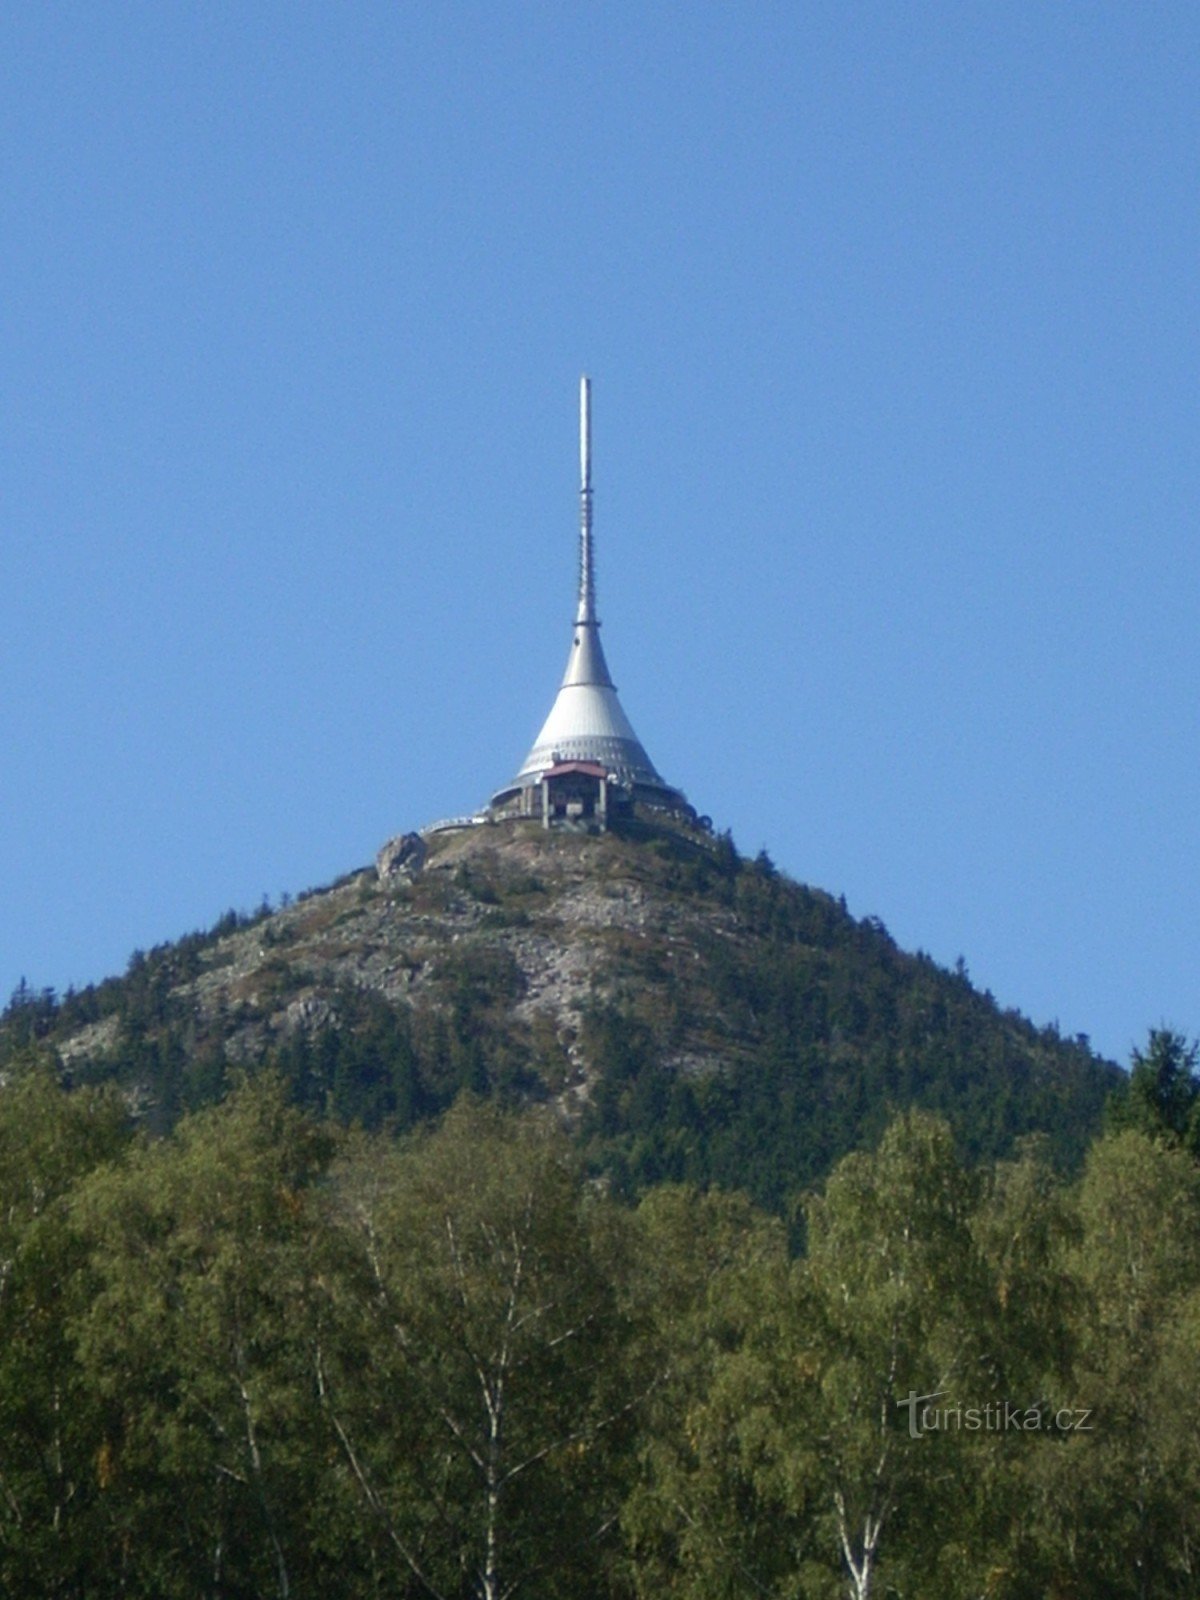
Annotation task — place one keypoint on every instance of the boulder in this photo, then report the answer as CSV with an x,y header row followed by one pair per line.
x,y
401,858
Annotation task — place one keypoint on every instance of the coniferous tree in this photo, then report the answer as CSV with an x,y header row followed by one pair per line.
x,y
1162,1095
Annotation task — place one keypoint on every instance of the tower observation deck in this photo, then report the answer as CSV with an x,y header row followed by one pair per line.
x,y
587,729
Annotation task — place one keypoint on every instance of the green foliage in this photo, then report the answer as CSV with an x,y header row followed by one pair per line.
x,y
376,1065
720,1506
351,1315
487,1316
782,1458
823,1029
194,1345
742,1029
249,1358
49,1142
1162,1095
362,1068
1111,1509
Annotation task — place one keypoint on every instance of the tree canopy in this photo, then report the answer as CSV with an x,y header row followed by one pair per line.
x,y
261,1357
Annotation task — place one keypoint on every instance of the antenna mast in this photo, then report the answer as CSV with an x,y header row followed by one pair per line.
x,y
587,580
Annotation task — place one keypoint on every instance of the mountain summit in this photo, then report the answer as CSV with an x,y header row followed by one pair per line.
x,y
587,945
690,1014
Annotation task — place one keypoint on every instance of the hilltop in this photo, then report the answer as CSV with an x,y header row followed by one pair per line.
x,y
688,1013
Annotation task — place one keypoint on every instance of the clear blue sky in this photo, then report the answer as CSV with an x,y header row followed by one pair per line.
x,y
892,316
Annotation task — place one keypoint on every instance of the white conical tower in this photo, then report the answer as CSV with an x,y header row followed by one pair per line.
x,y
586,722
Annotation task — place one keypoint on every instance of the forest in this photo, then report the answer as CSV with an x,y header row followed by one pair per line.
x,y
736,1028
265,1355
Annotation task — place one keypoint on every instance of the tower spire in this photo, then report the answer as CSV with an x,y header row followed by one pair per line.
x,y
586,722
586,612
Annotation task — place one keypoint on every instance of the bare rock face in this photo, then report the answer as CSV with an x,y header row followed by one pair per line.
x,y
308,1014
401,858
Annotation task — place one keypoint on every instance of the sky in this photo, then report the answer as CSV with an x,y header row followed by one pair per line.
x,y
893,320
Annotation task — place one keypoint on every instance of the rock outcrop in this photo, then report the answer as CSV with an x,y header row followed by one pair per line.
x,y
401,858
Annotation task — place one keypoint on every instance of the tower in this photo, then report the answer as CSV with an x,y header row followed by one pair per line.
x,y
587,743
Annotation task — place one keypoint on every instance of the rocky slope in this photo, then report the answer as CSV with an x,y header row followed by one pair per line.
x,y
692,1014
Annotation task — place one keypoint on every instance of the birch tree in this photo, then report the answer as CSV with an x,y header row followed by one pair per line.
x,y
472,1373
725,1499
900,1294
1114,1511
49,1141
201,1249
780,1461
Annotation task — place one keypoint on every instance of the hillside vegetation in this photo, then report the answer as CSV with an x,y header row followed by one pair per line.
x,y
691,1015
398,1244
